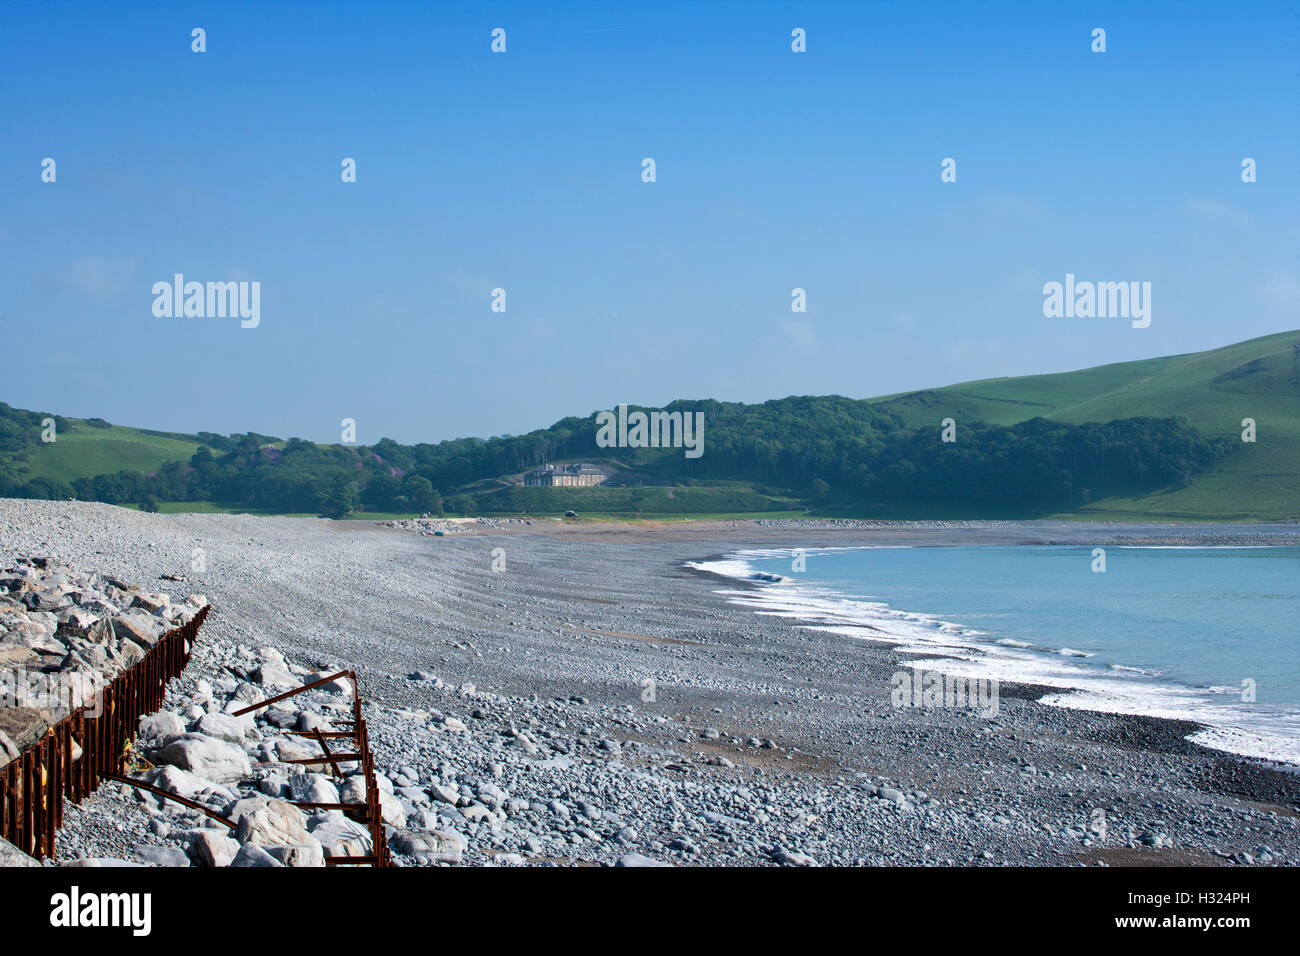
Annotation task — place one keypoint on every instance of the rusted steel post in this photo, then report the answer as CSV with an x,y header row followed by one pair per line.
x,y
168,795
54,788
27,820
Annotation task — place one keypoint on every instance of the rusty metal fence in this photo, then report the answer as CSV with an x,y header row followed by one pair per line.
x,y
90,745
370,812
87,746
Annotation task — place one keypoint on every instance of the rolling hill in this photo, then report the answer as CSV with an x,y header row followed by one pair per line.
x,y
766,457
86,451
1213,390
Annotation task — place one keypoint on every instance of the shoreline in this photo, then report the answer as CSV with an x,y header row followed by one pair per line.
x,y
822,607
939,533
763,743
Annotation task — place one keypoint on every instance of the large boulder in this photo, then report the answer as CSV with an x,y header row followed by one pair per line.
x,y
13,656
233,730
339,835
303,855
275,823
162,856
274,672
75,621
214,848
431,846
206,756
153,603
50,599
340,685
250,854
391,809
138,628
313,788
10,855
189,785
164,726
293,748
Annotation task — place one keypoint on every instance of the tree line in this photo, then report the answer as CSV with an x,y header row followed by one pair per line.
x,y
829,451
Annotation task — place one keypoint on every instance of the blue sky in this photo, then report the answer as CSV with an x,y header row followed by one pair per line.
x,y
522,171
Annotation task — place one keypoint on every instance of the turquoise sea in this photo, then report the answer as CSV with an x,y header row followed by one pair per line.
x,y
1187,632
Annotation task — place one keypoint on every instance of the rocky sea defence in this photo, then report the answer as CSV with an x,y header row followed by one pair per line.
x,y
65,632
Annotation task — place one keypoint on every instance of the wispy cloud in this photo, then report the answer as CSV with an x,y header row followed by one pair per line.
x,y
802,334
1218,213
1281,291
99,277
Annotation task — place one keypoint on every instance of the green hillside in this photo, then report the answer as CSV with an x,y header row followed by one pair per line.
x,y
1214,390
1154,439
87,451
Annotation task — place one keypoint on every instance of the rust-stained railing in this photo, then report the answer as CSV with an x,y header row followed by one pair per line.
x,y
34,785
370,812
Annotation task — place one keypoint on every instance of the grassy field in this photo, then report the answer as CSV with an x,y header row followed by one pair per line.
x,y
87,451
208,507
728,498
215,508
1214,390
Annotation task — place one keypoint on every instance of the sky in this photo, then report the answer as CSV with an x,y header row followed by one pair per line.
x,y
522,171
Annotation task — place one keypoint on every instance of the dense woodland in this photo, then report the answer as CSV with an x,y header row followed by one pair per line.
x,y
828,452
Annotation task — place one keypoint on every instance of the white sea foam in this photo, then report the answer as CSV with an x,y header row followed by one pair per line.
x,y
1232,727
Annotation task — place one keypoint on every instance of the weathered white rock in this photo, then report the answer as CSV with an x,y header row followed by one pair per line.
x,y
313,788
162,855
250,854
793,858
636,859
274,675
211,848
10,855
444,793
341,686
234,730
206,756
276,823
153,603
163,725
188,785
245,805
339,835
302,855
391,809
309,721
431,846
137,627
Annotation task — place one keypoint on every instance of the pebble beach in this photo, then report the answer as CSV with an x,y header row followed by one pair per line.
x,y
571,693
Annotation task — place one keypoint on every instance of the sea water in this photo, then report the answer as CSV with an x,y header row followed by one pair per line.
x,y
1208,634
